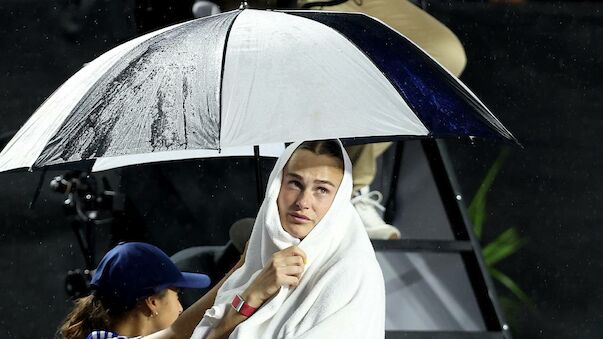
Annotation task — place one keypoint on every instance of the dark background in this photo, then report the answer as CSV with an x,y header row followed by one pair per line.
x,y
537,65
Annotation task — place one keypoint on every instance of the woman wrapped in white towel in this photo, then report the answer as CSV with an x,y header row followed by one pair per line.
x,y
310,270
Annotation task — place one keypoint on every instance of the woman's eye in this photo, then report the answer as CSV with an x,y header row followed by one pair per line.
x,y
322,190
295,184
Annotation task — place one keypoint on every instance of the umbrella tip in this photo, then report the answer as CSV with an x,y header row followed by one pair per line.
x,y
244,5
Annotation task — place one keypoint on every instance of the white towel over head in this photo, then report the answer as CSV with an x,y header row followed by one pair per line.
x,y
341,293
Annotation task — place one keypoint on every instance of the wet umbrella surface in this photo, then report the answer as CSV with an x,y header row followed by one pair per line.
x,y
245,78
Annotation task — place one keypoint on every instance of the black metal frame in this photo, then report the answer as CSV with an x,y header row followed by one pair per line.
x,y
414,245
464,243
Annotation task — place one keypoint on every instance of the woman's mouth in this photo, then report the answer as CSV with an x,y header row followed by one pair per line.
x,y
299,218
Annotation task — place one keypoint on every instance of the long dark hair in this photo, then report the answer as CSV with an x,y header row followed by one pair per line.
x,y
88,314
95,313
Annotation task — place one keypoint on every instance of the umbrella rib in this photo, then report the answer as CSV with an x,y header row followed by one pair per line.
x,y
220,105
184,96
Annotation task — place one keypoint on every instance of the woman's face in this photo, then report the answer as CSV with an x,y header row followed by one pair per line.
x,y
168,310
308,188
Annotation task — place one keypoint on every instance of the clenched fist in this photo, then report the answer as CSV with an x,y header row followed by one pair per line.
x,y
284,269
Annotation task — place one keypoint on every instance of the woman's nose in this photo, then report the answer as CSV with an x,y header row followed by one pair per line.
x,y
302,200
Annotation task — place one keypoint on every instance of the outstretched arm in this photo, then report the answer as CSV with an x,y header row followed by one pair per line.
x,y
184,326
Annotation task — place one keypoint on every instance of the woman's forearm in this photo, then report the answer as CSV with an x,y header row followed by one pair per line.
x,y
227,324
284,268
184,326
188,320
232,318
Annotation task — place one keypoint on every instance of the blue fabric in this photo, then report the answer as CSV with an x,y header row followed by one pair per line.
x,y
107,334
134,270
439,101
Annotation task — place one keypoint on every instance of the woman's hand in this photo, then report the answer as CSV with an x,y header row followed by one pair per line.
x,y
284,269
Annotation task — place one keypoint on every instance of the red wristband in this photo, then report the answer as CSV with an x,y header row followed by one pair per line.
x,y
239,304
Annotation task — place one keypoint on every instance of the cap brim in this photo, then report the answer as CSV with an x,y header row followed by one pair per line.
x,y
193,280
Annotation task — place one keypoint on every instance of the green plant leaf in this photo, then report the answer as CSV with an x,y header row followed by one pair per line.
x,y
478,217
511,286
477,207
506,244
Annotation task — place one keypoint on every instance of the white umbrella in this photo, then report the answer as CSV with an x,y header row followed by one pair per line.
x,y
245,78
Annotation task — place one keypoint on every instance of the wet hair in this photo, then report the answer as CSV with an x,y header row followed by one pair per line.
x,y
93,313
323,147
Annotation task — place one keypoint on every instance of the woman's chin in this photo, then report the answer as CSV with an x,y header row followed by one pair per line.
x,y
298,231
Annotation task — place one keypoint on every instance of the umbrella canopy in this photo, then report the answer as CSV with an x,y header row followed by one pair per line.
x,y
107,163
249,77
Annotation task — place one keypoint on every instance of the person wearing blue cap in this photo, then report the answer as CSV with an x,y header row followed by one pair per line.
x,y
135,293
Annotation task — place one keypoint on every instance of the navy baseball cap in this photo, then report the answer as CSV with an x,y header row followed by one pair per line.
x,y
132,271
